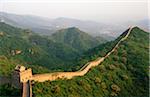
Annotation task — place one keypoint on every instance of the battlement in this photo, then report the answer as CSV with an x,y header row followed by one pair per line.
x,y
23,74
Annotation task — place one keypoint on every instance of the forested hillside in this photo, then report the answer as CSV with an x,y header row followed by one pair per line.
x,y
32,49
92,54
24,47
77,39
123,74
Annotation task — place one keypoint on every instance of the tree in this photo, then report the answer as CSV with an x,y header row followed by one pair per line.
x,y
115,88
56,89
102,68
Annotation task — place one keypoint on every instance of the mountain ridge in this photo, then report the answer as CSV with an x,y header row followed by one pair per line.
x,y
30,45
126,67
25,45
52,25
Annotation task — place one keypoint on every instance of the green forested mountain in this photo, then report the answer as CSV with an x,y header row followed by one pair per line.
x,y
32,49
19,46
75,38
99,51
123,74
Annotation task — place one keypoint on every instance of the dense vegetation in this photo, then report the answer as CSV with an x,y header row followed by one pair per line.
x,y
33,49
96,52
24,47
75,38
7,90
123,74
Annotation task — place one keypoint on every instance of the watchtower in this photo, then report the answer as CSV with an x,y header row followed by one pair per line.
x,y
22,74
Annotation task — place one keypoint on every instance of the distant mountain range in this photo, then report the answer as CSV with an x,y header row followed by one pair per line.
x,y
47,26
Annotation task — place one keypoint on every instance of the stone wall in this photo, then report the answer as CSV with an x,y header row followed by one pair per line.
x,y
66,75
27,74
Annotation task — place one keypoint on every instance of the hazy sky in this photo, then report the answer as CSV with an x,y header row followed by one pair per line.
x,y
97,10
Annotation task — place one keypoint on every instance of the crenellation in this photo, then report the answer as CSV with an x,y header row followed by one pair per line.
x,y
22,74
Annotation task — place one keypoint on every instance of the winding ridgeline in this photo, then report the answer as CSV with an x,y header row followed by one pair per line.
x,y
82,71
121,69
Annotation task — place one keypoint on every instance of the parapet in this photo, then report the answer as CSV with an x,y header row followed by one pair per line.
x,y
24,74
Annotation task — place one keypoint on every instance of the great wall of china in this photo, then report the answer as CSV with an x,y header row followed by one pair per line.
x,y
81,72
26,74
